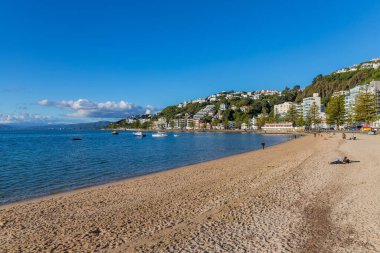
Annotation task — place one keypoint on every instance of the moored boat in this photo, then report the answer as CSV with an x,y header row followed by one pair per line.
x,y
159,134
139,134
115,132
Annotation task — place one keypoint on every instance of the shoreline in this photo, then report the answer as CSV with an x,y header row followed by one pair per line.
x,y
125,180
208,131
286,198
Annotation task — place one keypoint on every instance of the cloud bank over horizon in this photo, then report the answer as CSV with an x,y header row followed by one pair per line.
x,y
84,108
7,118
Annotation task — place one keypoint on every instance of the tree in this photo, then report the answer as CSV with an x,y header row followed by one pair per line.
x,y
350,117
366,107
300,121
207,119
292,115
313,118
263,118
335,111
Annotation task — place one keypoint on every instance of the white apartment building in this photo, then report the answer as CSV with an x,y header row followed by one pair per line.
x,y
223,107
350,98
253,124
308,102
204,112
231,125
244,126
282,109
374,86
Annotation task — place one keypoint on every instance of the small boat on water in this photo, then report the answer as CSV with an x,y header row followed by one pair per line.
x,y
176,135
76,139
115,132
159,134
139,134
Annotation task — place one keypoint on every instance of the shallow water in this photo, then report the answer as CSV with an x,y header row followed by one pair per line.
x,y
38,163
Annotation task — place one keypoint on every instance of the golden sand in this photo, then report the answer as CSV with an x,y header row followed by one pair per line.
x,y
286,198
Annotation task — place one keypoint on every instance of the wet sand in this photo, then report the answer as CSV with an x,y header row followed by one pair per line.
x,y
286,198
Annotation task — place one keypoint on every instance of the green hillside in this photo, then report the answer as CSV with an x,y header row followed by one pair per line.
x,y
241,107
326,85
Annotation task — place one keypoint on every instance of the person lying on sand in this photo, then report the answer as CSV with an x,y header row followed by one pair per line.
x,y
345,160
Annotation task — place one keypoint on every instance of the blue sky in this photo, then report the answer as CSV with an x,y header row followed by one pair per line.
x,y
76,61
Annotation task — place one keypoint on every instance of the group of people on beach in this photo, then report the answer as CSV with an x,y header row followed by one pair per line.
x,y
353,137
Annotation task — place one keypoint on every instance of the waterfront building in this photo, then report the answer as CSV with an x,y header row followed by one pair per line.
x,y
197,123
350,98
374,87
287,126
253,124
244,126
308,102
219,126
231,125
282,109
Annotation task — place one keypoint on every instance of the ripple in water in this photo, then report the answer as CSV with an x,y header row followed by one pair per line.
x,y
37,163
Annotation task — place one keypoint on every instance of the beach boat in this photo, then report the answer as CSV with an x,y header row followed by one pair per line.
x,y
115,132
159,134
139,134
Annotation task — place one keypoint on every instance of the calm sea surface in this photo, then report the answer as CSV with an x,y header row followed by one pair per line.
x,y
37,163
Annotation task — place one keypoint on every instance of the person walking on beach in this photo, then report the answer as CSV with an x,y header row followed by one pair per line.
x,y
343,136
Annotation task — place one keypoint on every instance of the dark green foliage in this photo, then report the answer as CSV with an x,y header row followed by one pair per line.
x,y
327,85
366,107
292,115
335,111
135,125
313,117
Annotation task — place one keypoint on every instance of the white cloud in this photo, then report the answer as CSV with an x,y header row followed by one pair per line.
x,y
87,108
23,118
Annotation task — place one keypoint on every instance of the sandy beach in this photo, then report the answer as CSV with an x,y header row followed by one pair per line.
x,y
286,198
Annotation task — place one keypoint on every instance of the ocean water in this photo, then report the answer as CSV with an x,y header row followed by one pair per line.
x,y
38,163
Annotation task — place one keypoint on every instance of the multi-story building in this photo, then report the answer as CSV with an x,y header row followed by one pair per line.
x,y
160,123
307,103
253,124
231,125
282,109
189,123
350,98
130,120
223,107
374,86
204,112
341,93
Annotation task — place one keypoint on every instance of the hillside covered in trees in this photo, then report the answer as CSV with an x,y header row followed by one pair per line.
x,y
328,84
241,106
